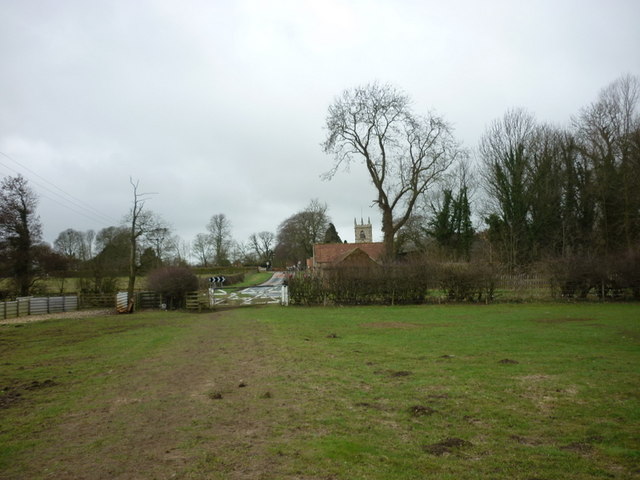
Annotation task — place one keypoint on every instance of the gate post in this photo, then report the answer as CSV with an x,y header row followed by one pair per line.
x,y
284,297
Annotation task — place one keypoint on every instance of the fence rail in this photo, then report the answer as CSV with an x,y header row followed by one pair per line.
x,y
38,306
238,296
24,306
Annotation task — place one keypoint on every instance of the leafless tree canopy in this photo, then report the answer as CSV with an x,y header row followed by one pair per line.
x,y
404,153
298,233
219,228
262,245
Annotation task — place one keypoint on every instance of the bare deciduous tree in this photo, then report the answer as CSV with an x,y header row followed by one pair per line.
x,y
140,222
298,233
262,245
202,249
219,228
404,153
605,132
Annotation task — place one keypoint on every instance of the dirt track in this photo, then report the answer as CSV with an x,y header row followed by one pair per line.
x,y
56,316
172,416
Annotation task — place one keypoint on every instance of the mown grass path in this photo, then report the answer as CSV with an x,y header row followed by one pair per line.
x,y
445,392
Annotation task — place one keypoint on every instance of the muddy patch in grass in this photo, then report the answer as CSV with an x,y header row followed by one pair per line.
x,y
11,395
421,411
530,442
393,373
36,385
449,445
578,447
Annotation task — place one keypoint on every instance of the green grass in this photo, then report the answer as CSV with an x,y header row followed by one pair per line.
x,y
568,407
529,391
254,279
57,286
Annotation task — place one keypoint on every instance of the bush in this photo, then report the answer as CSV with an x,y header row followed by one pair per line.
x,y
468,282
629,273
615,277
306,289
370,285
173,283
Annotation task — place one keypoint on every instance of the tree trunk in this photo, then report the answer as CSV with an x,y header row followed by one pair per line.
x,y
387,230
132,272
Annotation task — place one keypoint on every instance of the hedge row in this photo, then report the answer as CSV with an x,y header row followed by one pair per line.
x,y
393,285
608,278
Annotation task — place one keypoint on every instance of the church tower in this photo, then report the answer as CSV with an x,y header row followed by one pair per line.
x,y
364,233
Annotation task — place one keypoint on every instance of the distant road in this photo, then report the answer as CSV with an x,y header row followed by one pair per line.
x,y
276,279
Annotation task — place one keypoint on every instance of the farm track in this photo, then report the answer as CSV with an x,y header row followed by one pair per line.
x,y
58,316
175,414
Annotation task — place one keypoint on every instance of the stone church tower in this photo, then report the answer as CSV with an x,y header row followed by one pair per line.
x,y
364,233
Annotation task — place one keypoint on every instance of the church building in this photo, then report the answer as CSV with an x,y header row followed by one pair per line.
x,y
363,252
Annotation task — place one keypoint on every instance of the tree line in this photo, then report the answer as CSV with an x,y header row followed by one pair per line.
x,y
538,192
530,193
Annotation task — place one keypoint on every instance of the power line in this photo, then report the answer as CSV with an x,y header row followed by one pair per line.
x,y
86,210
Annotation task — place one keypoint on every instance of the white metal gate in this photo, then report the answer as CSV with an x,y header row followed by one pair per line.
x,y
258,295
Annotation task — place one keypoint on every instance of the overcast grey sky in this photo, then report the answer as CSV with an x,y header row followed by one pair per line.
x,y
219,106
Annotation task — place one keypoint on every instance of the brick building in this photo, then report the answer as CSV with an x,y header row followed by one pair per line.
x,y
363,252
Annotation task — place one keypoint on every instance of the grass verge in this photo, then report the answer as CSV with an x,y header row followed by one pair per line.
x,y
446,392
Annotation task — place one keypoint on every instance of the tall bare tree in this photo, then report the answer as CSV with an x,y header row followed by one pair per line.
x,y
202,249
298,233
70,243
607,135
219,228
262,245
404,153
140,222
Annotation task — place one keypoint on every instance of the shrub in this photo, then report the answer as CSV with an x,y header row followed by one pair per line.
x,y
362,285
306,289
173,283
468,282
613,277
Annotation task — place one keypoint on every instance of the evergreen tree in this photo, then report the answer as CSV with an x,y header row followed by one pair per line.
x,y
331,235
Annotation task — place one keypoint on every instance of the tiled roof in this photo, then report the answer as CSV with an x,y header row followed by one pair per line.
x,y
331,252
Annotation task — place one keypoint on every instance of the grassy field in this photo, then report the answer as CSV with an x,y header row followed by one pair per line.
x,y
535,391
56,286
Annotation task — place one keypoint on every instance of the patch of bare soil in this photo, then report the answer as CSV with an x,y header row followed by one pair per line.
x,y
530,442
446,446
393,373
421,411
10,395
197,411
57,316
